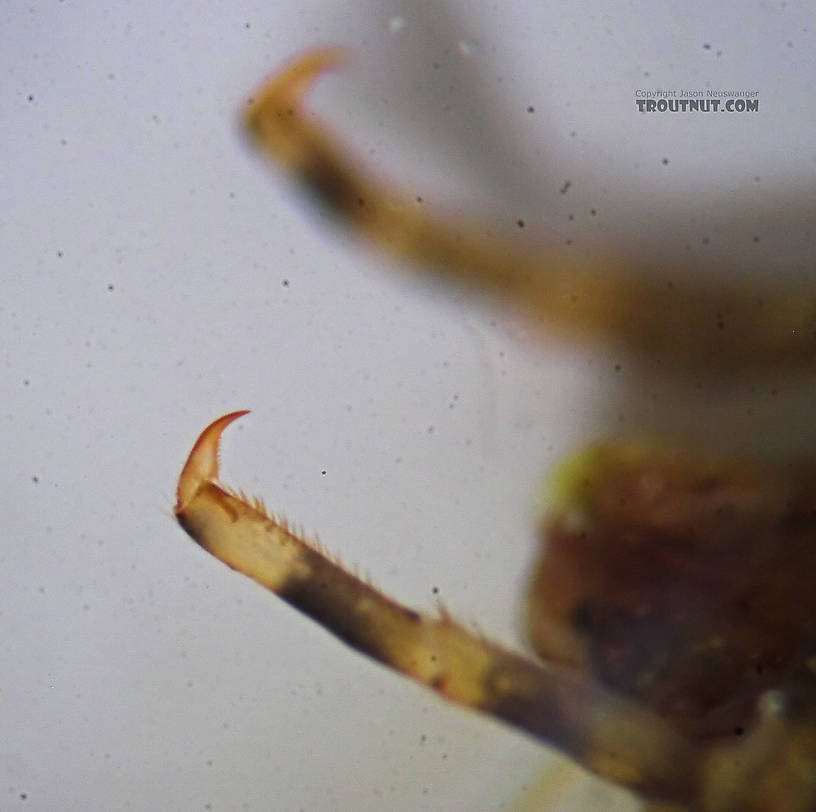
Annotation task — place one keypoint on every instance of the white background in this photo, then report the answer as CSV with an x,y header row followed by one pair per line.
x,y
155,273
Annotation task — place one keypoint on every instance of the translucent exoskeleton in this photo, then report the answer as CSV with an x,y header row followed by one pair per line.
x,y
672,607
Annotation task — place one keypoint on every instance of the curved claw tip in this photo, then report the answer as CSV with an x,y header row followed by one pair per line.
x,y
202,464
290,83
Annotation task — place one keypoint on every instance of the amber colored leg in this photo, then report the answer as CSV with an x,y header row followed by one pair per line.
x,y
667,318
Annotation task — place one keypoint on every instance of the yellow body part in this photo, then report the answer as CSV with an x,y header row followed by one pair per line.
x,y
608,734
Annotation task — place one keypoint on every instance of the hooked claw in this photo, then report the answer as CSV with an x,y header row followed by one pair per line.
x,y
202,464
